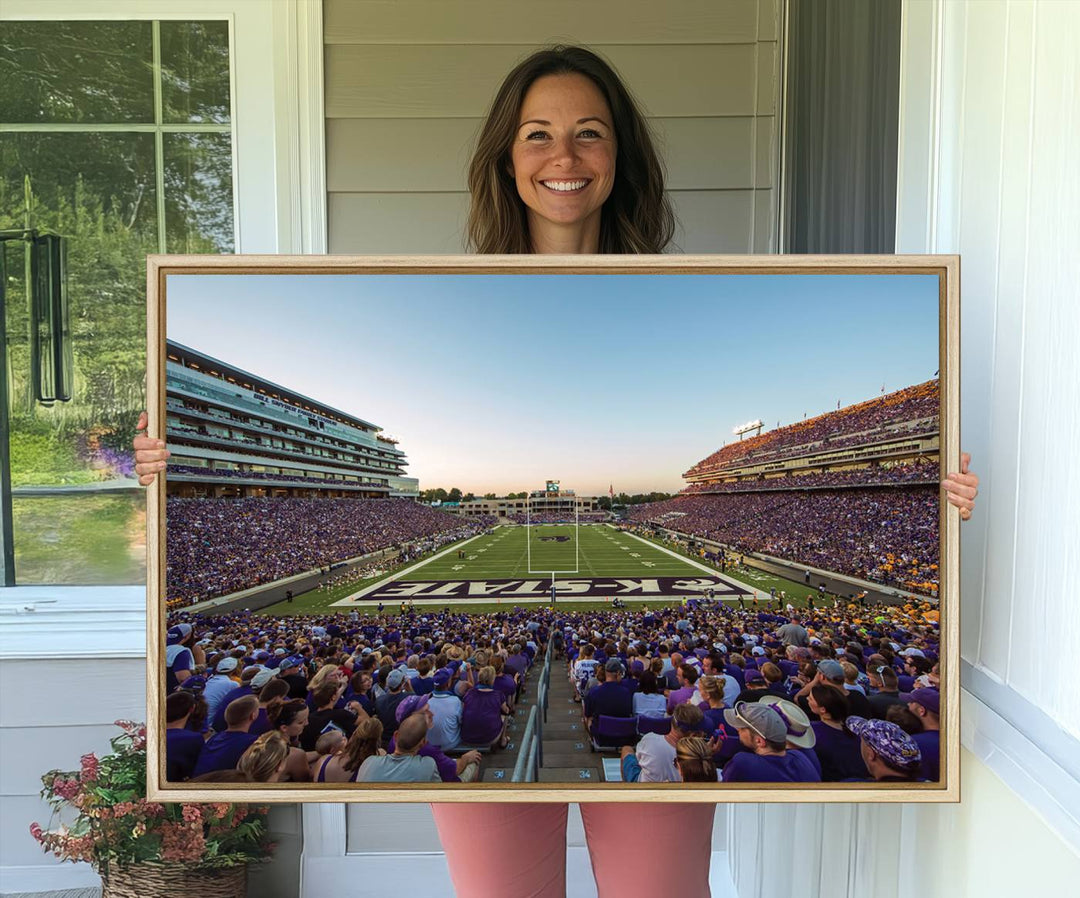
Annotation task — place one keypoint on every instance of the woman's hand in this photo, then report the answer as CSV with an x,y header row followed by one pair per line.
x,y
960,488
150,454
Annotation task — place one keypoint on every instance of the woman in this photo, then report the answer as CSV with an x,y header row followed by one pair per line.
x,y
290,718
265,759
324,697
482,717
694,758
275,689
711,695
587,181
328,673
837,748
647,701
342,767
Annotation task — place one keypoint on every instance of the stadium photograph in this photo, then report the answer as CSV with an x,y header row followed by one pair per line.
x,y
449,533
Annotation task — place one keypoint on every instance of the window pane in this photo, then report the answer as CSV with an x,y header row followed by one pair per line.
x,y
98,191
76,72
83,539
195,71
198,193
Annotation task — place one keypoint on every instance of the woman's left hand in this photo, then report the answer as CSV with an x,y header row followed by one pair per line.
x,y
962,488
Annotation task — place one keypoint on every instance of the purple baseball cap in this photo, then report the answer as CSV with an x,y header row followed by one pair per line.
x,y
895,746
411,705
753,675
928,698
175,634
442,677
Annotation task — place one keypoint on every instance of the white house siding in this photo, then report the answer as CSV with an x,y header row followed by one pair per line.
x,y
408,83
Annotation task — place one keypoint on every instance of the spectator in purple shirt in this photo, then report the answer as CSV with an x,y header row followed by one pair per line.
x,y
223,750
891,755
926,705
763,733
182,746
610,698
505,681
687,678
482,721
465,769
837,748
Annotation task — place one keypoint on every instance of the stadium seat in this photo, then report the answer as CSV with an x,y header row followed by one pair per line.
x,y
461,748
612,733
660,725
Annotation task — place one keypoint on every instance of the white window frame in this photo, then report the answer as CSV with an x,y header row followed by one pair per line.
x,y
279,197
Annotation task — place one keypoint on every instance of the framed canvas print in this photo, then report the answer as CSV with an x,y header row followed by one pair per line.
x,y
553,528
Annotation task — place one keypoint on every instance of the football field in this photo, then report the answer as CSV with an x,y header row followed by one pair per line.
x,y
516,563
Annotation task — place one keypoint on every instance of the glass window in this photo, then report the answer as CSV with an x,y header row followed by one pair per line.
x,y
117,136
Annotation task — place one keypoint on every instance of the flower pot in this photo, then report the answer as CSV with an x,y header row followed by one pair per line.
x,y
173,881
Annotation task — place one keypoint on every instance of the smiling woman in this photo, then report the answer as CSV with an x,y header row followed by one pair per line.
x,y
563,162
560,118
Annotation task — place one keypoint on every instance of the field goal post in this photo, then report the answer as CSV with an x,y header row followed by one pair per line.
x,y
577,546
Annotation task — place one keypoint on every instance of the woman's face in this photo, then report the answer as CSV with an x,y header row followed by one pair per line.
x,y
295,728
563,154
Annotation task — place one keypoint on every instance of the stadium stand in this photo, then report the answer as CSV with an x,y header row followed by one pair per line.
x,y
219,546
874,518
381,655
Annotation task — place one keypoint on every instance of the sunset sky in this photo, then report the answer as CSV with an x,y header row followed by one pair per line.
x,y
496,383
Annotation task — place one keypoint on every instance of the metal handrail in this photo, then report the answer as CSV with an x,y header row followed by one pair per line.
x,y
526,755
531,754
531,766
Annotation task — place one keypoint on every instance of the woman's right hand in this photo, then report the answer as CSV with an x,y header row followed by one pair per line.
x,y
150,454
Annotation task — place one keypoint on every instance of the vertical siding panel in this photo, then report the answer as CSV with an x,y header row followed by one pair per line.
x,y
1048,507
979,234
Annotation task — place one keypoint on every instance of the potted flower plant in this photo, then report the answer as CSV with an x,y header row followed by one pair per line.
x,y
143,848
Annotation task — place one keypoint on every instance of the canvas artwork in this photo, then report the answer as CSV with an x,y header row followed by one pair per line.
x,y
522,529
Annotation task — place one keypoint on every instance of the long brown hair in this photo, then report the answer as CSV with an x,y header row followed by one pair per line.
x,y
362,744
637,216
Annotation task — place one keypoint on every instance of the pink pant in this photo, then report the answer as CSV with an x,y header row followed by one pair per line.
x,y
495,850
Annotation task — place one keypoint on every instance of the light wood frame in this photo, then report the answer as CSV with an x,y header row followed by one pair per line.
x,y
945,267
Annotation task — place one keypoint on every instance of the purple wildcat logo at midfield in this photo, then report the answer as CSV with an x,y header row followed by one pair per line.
x,y
557,539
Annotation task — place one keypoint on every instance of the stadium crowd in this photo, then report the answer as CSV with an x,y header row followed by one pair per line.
x,y
886,535
904,411
837,694
218,546
921,472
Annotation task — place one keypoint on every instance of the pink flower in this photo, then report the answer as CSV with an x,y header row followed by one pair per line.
x,y
192,814
181,842
37,832
89,767
123,808
65,788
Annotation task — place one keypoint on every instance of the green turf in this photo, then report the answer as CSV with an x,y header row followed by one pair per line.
x,y
504,554
757,578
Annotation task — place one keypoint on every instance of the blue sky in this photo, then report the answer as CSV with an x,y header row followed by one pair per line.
x,y
495,383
